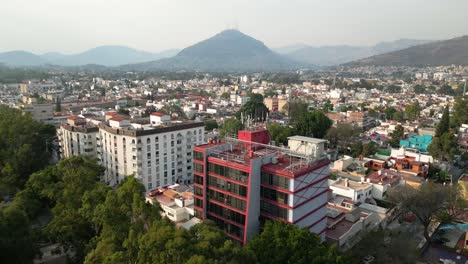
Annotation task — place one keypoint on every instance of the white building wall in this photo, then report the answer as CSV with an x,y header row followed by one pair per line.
x,y
319,190
157,160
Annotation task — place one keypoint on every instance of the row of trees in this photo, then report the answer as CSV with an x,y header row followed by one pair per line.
x,y
444,144
98,224
302,121
25,147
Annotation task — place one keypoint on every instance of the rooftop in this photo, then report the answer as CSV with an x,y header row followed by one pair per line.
x,y
341,183
308,139
158,114
339,229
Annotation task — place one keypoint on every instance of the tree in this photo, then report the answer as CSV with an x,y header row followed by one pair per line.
x,y
419,89
412,111
444,124
313,124
369,149
372,113
446,90
356,149
255,108
295,109
389,112
210,125
225,96
342,135
398,116
279,133
285,243
327,106
25,147
231,127
387,247
427,203
443,147
123,218
124,111
148,111
16,237
460,111
76,176
393,89
397,135
58,105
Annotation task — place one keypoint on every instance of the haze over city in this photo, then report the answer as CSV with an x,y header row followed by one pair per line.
x,y
234,131
74,26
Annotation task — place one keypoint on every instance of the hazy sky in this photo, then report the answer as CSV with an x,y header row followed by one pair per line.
x,y
154,25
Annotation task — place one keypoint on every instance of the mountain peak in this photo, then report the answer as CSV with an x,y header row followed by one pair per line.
x,y
229,50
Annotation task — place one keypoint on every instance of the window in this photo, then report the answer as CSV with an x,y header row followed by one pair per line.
x,y
274,210
227,199
198,167
274,180
236,189
226,213
197,155
231,173
198,191
198,203
198,179
274,195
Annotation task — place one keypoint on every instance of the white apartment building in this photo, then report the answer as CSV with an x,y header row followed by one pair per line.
x,y
37,87
158,153
77,137
40,112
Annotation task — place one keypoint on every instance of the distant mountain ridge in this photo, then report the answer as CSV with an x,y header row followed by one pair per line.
x,y
21,58
229,50
339,54
102,55
445,52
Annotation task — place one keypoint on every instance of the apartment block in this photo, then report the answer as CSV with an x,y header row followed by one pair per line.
x,y
241,182
77,137
37,87
157,151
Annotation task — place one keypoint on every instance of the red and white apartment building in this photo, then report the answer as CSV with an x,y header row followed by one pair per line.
x,y
241,182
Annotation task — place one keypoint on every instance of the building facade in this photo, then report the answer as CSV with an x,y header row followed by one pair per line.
x,y
77,137
36,87
241,183
158,153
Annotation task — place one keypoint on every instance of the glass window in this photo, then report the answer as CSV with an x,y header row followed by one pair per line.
x,y
198,191
197,155
274,210
233,188
198,167
274,180
227,199
274,195
226,213
231,173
